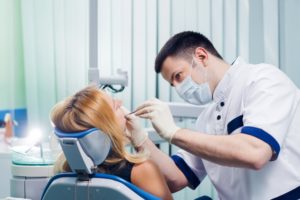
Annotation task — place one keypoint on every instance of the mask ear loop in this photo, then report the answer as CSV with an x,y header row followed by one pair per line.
x,y
202,70
192,62
205,75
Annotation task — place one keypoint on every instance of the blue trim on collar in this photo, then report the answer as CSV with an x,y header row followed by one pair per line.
x,y
264,136
80,134
235,124
291,195
186,170
138,191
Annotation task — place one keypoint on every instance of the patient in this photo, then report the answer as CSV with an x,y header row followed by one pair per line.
x,y
93,108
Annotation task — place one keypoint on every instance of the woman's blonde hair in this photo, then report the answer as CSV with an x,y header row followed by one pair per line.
x,y
87,109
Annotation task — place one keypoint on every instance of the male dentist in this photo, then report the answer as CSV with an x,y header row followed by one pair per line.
x,y
247,139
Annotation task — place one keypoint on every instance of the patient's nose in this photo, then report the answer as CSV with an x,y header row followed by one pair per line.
x,y
119,103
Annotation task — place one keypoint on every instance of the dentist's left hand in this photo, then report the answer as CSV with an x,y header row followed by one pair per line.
x,y
136,133
161,118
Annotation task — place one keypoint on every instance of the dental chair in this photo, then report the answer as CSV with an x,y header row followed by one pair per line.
x,y
84,151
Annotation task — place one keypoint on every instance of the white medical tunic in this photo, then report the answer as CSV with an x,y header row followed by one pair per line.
x,y
261,101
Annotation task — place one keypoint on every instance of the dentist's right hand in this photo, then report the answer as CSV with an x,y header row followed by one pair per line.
x,y
161,118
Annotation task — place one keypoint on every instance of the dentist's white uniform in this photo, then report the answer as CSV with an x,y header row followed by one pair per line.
x,y
257,100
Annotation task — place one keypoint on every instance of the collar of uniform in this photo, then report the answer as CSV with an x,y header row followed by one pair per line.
x,y
226,81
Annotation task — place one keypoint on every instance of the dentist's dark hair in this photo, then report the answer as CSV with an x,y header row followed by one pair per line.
x,y
183,45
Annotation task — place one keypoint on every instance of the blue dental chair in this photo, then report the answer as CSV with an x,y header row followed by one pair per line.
x,y
84,151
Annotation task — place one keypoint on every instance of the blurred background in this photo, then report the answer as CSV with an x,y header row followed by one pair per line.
x,y
44,49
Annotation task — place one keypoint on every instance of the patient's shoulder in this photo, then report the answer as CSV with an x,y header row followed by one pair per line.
x,y
148,177
145,168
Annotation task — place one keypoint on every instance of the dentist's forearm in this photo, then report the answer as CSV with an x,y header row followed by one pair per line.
x,y
238,150
174,177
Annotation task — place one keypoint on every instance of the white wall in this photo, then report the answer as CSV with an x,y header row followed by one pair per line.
x,y
289,31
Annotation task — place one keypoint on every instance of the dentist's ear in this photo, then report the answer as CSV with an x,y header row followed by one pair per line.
x,y
201,55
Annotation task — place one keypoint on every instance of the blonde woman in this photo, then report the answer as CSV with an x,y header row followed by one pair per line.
x,y
93,108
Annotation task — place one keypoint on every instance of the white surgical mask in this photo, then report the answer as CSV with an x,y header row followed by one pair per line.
x,y
194,93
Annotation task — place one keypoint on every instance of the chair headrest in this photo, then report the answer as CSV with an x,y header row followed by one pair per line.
x,y
84,150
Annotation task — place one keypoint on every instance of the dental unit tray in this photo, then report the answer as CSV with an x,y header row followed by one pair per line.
x,y
22,156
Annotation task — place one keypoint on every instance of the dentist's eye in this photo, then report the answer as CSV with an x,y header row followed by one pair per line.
x,y
178,77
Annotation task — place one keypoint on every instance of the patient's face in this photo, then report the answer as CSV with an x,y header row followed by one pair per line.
x,y
116,106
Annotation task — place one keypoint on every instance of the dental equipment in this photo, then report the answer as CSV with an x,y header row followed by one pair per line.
x,y
132,112
32,166
110,82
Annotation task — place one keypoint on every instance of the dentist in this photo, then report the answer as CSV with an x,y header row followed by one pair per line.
x,y
248,136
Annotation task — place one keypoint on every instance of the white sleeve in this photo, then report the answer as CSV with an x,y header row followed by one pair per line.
x,y
268,104
191,166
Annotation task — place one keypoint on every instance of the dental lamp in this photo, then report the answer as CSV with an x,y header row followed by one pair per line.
x,y
31,167
34,138
110,82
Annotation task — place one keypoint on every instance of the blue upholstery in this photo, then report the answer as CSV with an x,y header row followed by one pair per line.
x,y
132,187
80,134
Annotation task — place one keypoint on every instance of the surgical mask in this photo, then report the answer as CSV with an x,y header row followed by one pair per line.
x,y
194,93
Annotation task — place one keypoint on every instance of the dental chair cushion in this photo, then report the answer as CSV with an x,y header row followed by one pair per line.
x,y
100,186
